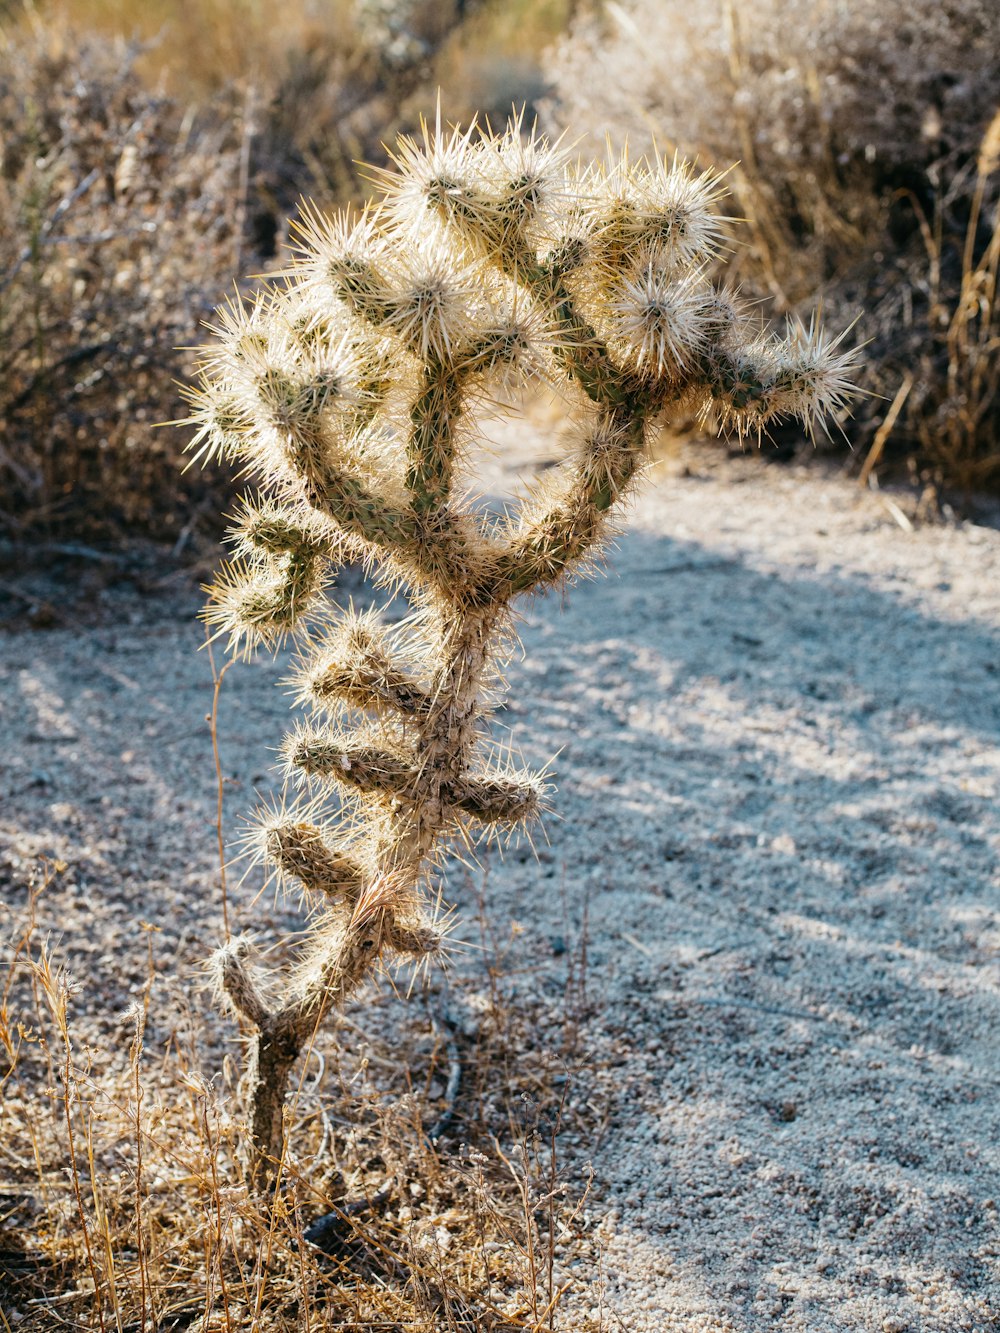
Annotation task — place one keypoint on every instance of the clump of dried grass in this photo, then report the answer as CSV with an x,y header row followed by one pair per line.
x,y
120,221
127,1206
862,134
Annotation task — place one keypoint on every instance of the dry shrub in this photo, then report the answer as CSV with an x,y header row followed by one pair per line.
x,y
119,220
323,87
126,1204
317,88
859,132
125,214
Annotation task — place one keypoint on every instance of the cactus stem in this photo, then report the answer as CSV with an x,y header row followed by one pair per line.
x,y
489,262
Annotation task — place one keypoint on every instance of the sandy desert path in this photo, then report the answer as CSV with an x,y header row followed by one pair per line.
x,y
771,877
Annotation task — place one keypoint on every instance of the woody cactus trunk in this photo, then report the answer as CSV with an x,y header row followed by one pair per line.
x,y
351,391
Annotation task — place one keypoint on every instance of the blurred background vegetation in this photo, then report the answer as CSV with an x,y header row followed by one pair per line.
x,y
153,154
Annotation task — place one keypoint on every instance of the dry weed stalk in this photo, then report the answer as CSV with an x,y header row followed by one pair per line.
x,y
490,260
958,429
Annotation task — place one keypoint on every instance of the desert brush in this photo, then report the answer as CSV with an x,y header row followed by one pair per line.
x,y
350,390
891,203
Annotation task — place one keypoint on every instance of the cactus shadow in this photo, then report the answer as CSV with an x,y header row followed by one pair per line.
x,y
779,832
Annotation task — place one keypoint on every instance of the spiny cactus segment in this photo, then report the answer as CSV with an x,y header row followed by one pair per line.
x,y
350,393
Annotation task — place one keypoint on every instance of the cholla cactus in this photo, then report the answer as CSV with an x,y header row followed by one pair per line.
x,y
351,391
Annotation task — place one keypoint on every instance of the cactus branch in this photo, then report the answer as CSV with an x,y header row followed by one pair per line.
x,y
559,528
238,983
431,451
299,850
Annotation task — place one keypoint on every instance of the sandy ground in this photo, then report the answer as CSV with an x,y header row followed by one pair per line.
x,y
768,899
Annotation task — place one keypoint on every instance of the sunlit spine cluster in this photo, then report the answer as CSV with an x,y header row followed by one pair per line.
x,y
350,394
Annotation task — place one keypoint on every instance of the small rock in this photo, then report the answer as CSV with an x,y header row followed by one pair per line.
x,y
43,615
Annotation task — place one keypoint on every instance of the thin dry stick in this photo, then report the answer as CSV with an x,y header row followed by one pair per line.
x,y
986,165
213,722
885,430
74,1169
135,1054
141,1012
101,1220
247,132
216,1196
759,217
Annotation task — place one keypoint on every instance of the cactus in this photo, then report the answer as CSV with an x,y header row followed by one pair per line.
x,y
489,260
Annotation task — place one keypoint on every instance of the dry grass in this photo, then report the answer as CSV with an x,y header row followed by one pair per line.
x,y
126,1204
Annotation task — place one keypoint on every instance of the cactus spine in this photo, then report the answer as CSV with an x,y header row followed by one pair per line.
x,y
489,261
